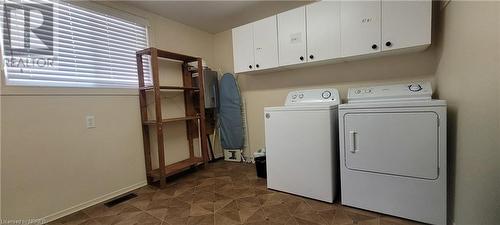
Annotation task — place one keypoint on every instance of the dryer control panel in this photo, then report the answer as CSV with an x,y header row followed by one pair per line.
x,y
326,96
409,91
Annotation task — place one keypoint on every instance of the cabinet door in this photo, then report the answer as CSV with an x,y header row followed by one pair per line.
x,y
243,55
323,30
406,24
265,40
292,36
360,27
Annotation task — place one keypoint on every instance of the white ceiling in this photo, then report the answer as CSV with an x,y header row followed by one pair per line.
x,y
216,16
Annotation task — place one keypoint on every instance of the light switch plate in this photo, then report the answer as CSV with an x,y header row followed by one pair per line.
x,y
90,121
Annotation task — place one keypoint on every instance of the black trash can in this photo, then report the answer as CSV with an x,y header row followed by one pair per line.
x,y
260,164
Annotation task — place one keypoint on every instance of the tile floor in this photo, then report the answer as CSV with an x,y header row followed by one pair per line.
x,y
223,193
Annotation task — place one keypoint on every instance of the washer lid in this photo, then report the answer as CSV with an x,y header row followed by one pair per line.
x,y
313,97
301,108
415,91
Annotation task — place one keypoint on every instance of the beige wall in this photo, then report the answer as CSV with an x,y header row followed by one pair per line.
x,y
468,77
1,158
51,162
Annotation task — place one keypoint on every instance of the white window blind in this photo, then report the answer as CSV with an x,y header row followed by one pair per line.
x,y
87,48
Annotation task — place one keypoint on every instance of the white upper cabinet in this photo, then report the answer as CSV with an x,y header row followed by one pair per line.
x,y
333,30
360,27
323,30
292,36
255,45
265,42
243,54
406,24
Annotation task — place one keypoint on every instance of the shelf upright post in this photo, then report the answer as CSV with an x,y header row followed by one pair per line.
x,y
203,131
159,124
144,116
187,81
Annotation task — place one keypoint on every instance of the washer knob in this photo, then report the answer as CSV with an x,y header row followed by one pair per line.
x,y
415,87
294,96
326,94
301,95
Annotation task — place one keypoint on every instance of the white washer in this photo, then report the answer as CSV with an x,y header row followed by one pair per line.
x,y
301,144
393,151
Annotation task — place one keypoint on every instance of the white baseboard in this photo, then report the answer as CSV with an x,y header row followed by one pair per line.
x,y
92,202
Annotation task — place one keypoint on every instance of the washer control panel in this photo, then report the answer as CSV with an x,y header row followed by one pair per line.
x,y
327,96
409,91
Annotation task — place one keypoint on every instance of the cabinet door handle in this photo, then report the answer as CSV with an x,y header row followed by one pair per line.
x,y
374,46
388,44
301,58
352,141
311,56
250,66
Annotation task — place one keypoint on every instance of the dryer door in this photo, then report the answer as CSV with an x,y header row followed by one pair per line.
x,y
399,143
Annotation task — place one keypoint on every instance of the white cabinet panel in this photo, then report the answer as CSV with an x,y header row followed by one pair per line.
x,y
402,144
406,24
323,30
301,137
328,30
292,36
360,27
265,36
243,54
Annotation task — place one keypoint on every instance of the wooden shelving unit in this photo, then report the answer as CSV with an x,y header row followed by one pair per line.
x,y
175,168
195,120
169,120
149,88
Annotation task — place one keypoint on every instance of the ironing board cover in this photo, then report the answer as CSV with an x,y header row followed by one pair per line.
x,y
231,122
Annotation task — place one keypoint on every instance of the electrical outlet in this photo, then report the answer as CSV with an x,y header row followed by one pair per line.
x,y
90,121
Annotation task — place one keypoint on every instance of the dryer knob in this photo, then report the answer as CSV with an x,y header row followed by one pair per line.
x,y
326,94
415,87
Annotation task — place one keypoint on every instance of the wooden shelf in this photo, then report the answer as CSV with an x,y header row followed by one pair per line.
x,y
169,120
176,167
168,55
194,120
150,88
